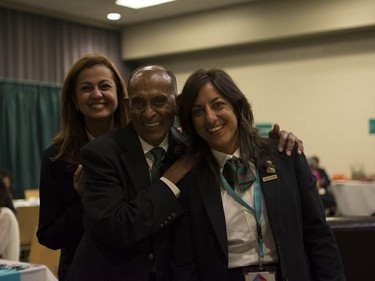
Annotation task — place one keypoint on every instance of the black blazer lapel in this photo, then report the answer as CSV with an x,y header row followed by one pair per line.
x,y
211,197
271,195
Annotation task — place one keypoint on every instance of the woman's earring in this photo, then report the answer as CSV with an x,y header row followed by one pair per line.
x,y
76,108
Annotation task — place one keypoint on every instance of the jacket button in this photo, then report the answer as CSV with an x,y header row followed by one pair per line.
x,y
173,215
150,257
161,225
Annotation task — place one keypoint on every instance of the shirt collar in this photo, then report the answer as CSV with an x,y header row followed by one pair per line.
x,y
221,157
91,137
147,147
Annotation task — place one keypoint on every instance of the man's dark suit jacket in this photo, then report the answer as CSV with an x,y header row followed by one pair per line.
x,y
305,244
126,217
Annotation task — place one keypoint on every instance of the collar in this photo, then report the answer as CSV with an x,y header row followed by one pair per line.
x,y
221,157
91,137
147,147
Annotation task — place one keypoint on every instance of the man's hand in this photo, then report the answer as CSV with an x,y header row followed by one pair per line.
x,y
286,140
180,168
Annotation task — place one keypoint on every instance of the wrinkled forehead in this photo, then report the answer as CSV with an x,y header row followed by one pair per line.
x,y
151,80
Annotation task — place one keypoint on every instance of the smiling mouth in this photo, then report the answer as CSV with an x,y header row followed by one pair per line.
x,y
98,105
153,124
215,129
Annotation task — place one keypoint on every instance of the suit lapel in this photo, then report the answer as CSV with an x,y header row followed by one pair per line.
x,y
210,194
271,195
134,158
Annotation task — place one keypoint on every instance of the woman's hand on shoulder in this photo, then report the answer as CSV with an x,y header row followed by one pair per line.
x,y
78,180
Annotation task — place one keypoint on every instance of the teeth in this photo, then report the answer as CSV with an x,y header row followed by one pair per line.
x,y
98,105
152,124
215,129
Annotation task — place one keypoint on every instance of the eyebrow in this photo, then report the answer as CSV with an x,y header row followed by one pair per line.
x,y
101,81
211,101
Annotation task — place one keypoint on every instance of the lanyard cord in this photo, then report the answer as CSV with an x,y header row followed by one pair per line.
x,y
256,213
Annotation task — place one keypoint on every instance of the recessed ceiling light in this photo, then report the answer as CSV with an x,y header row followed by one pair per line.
x,y
113,16
138,4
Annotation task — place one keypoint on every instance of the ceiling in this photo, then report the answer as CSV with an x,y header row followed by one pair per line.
x,y
95,11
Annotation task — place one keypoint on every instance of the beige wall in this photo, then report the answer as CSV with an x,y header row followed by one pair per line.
x,y
245,24
320,87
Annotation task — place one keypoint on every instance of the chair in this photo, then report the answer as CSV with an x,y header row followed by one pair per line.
x,y
355,239
28,217
31,194
42,255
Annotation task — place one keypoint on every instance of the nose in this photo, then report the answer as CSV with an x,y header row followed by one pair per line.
x,y
96,92
210,115
149,111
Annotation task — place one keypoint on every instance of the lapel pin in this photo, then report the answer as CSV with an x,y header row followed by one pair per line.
x,y
270,168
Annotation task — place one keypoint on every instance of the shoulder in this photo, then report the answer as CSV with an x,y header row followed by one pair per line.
x,y
6,214
177,135
110,138
112,142
51,150
47,161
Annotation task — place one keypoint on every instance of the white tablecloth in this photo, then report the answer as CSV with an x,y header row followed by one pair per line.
x,y
33,272
354,198
25,203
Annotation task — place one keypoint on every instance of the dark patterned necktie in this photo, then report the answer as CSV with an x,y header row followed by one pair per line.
x,y
158,154
235,171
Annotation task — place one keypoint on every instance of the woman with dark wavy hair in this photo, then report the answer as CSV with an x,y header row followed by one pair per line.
x,y
251,212
9,229
92,104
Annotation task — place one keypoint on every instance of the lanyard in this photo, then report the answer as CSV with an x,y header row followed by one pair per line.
x,y
256,212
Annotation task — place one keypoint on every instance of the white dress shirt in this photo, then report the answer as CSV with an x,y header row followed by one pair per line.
x,y
241,224
150,160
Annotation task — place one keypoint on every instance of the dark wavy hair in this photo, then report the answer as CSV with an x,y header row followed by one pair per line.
x,y
72,135
252,146
5,197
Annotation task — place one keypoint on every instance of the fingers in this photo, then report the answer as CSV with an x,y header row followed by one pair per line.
x,y
78,180
283,136
287,141
274,133
291,139
180,168
78,173
300,147
79,170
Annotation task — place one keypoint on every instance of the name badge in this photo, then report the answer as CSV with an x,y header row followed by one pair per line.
x,y
269,178
267,274
260,276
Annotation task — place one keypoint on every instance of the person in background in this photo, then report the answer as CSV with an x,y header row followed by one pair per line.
x,y
6,175
324,180
9,229
92,104
323,183
250,211
128,210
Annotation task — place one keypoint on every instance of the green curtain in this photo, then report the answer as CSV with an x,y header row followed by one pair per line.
x,y
30,114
